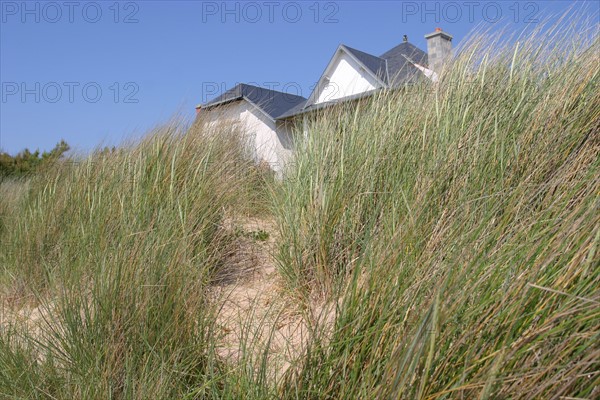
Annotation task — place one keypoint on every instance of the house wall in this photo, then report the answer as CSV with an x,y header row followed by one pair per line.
x,y
226,115
346,78
267,143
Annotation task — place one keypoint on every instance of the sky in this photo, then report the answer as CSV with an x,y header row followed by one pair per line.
x,y
96,73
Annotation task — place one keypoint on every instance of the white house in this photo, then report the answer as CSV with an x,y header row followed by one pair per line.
x,y
256,111
268,116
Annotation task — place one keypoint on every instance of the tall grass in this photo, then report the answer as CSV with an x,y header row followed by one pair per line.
x,y
457,225
12,191
117,253
454,225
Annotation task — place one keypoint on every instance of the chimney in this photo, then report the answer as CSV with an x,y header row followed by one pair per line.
x,y
439,49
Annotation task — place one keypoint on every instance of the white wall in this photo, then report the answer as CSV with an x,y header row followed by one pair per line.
x,y
346,78
261,132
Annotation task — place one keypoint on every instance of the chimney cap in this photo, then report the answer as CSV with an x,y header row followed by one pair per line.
x,y
439,32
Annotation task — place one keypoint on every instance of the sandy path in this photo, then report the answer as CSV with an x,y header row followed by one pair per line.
x,y
255,311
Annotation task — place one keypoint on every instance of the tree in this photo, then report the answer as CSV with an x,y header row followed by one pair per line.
x,y
26,162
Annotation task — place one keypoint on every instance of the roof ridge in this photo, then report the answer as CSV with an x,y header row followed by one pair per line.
x,y
270,101
361,51
375,64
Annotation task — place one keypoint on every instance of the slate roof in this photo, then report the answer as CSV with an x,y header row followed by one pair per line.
x,y
376,65
395,68
302,108
400,61
271,102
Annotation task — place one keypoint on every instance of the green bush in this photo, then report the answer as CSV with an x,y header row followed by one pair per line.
x,y
26,163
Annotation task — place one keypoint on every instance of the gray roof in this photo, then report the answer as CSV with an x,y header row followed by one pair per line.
x,y
400,61
375,64
302,108
395,68
297,110
271,102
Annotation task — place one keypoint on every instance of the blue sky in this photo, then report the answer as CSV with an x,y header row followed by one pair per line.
x,y
96,73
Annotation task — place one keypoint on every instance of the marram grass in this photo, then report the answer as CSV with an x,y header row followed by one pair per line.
x,y
455,225
117,251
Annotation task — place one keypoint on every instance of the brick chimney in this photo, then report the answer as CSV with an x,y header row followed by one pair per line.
x,y
439,49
